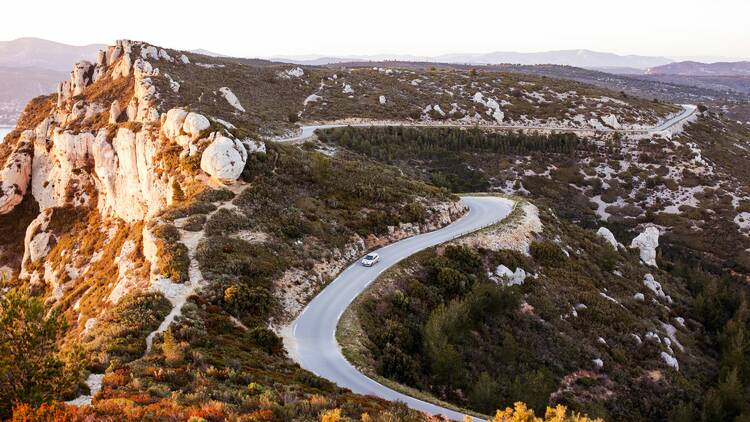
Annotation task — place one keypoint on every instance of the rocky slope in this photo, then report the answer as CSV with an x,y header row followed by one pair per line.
x,y
129,206
629,304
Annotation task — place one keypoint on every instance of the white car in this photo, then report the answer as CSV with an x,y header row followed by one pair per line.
x,y
371,259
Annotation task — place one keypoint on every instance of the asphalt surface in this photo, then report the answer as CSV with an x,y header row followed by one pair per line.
x,y
687,111
311,338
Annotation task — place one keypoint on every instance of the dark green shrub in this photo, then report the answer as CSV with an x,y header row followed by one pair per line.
x,y
267,340
547,253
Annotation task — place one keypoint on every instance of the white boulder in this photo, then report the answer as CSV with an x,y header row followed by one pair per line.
x,y
231,98
173,122
670,360
89,324
224,159
503,271
149,52
296,72
519,277
312,98
607,235
184,59
164,55
498,116
598,363
647,242
195,124
639,297
382,99
512,278
655,286
612,122
348,89
253,147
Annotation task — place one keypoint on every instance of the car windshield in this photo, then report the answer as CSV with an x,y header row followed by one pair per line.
x,y
370,256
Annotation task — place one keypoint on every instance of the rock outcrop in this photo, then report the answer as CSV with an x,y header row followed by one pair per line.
x,y
224,159
16,174
231,98
127,178
655,287
647,242
607,235
108,157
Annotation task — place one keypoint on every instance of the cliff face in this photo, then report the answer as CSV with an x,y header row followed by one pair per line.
x,y
101,144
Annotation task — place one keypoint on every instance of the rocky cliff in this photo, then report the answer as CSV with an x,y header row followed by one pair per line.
x,y
102,142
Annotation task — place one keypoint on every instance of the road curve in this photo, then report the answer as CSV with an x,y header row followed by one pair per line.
x,y
688,111
311,338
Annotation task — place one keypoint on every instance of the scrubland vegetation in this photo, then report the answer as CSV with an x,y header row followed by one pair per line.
x,y
541,344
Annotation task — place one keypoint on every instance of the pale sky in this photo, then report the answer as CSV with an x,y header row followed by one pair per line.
x,y
338,27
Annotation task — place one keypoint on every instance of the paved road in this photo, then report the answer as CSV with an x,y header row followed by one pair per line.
x,y
688,110
311,338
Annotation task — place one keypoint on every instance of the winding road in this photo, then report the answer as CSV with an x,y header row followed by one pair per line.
x,y
688,111
311,338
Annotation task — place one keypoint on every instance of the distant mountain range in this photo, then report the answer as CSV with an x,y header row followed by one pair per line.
x,y
31,66
690,68
43,54
578,58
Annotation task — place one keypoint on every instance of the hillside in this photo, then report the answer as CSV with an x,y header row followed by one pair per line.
x,y
690,68
165,239
581,323
166,236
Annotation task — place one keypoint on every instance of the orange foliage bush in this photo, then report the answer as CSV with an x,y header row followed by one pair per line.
x,y
53,412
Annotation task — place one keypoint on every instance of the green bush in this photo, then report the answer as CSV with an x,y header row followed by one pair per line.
x,y
547,253
32,369
267,340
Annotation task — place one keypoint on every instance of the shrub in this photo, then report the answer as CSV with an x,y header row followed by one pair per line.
x,y
547,253
178,195
267,340
226,222
194,223
173,261
121,333
32,370
172,349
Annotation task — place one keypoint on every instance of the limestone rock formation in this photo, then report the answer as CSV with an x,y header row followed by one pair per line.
x,y
224,159
607,235
612,122
16,174
647,242
655,287
231,98
195,124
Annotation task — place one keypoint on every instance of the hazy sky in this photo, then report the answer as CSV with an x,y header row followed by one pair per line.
x,y
277,27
